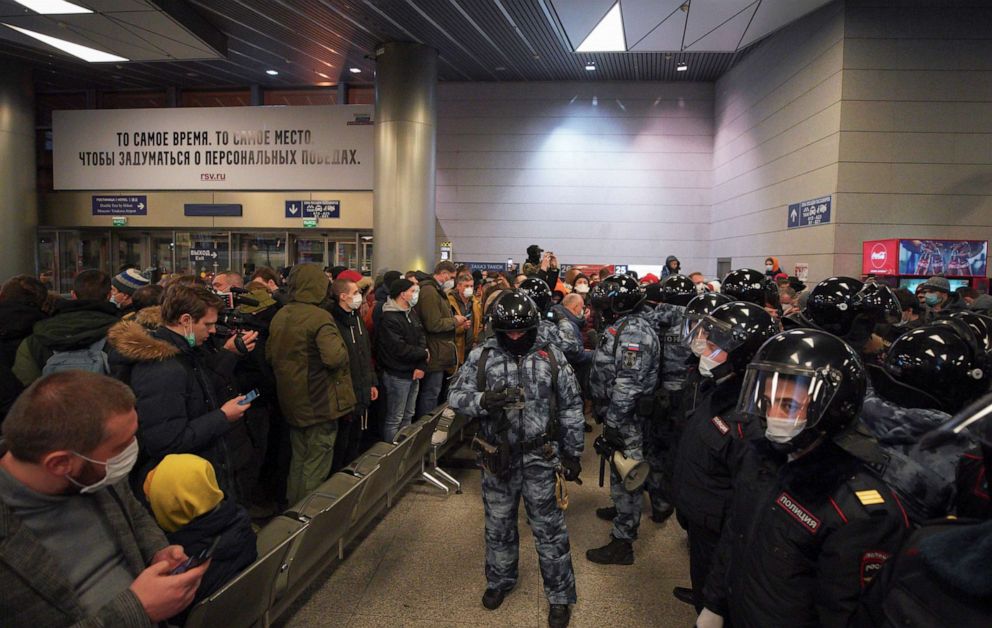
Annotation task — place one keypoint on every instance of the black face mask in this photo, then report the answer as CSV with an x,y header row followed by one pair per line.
x,y
520,346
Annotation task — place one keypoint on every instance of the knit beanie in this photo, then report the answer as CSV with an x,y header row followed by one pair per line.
x,y
129,281
181,488
390,277
399,286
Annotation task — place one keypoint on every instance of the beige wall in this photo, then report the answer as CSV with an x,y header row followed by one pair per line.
x,y
777,117
916,125
165,209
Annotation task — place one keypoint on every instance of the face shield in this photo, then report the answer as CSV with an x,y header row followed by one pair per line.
x,y
787,399
706,334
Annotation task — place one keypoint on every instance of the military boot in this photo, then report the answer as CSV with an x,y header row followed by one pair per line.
x,y
492,598
559,615
609,513
616,552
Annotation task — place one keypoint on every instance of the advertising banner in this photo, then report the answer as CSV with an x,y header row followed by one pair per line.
x,y
880,257
951,258
229,148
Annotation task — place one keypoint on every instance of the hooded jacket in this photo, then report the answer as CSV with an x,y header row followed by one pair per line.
x,y
356,339
307,354
439,325
126,339
666,270
400,343
75,325
17,319
570,328
776,268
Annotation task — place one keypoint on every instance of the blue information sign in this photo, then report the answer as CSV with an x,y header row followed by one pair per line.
x,y
809,213
212,209
120,205
487,266
313,209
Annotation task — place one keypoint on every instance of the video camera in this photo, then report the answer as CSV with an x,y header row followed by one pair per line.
x,y
233,322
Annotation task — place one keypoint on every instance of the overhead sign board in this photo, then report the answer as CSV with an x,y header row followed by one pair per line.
x,y
212,209
313,209
214,148
202,253
809,213
492,267
120,205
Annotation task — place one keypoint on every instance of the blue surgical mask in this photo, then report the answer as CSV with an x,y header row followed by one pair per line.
x,y
932,298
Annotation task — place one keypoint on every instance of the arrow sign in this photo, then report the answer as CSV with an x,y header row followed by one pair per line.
x,y
120,205
313,209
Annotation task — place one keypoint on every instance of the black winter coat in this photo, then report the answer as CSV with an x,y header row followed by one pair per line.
x,y
235,551
16,322
177,403
710,452
356,339
803,540
400,342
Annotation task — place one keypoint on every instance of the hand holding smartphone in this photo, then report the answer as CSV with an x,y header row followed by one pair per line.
x,y
251,396
198,559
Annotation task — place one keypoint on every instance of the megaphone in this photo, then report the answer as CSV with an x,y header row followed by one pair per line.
x,y
632,472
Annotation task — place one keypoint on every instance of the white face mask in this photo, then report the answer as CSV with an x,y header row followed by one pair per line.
x,y
783,430
468,292
355,301
448,285
708,362
117,468
582,288
699,346
415,298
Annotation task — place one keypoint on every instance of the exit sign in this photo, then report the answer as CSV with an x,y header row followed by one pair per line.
x,y
310,223
119,221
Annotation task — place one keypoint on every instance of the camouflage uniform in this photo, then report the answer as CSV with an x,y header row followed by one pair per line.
x,y
531,474
550,333
617,381
663,427
923,479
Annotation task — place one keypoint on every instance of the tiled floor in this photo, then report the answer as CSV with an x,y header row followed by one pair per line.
x,y
422,566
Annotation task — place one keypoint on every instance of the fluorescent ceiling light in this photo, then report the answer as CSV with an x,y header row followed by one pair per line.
x,y
83,52
53,7
355,70
682,67
590,66
608,34
271,72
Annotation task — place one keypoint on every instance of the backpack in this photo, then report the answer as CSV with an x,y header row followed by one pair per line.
x,y
91,358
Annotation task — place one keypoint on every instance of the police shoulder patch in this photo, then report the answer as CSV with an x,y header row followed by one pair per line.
x,y
869,497
720,425
809,522
871,563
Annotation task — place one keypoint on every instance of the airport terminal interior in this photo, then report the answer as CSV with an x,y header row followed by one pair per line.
x,y
377,312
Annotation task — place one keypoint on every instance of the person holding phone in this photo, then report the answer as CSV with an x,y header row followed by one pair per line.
x,y
464,301
76,547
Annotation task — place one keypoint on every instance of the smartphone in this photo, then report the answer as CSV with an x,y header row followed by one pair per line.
x,y
251,396
197,560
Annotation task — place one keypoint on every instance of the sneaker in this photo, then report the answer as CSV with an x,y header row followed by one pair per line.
x,y
608,514
616,552
492,598
559,615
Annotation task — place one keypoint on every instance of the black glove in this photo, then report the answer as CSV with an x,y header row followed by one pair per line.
x,y
493,400
571,468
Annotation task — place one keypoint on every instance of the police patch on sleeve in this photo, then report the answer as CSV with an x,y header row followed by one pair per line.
x,y
871,563
803,516
631,355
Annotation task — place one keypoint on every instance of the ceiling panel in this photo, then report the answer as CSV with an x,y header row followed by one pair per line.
x,y
579,17
773,15
706,15
725,36
640,18
666,36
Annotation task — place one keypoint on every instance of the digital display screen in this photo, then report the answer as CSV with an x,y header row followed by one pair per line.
x,y
949,258
911,284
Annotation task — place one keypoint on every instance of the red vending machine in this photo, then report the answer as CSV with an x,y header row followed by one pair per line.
x,y
908,263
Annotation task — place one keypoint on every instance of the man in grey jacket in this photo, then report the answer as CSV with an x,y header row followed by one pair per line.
x,y
76,547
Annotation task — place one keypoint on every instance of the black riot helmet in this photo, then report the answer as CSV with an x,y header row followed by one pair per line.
x,y
803,384
830,305
935,366
677,290
878,303
736,329
514,311
623,293
540,293
699,307
747,284
981,326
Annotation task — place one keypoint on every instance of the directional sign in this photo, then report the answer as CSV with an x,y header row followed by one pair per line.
x,y
497,267
203,253
313,209
120,205
809,213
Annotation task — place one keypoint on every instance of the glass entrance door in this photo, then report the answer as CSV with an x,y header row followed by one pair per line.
x,y
81,250
202,253
309,250
254,250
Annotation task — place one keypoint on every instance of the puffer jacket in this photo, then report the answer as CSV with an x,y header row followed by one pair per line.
x,y
307,354
127,337
439,324
17,320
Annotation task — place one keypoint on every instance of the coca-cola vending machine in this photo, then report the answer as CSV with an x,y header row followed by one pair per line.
x,y
908,263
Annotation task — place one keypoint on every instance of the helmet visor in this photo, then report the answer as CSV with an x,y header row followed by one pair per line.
x,y
786,395
713,331
688,323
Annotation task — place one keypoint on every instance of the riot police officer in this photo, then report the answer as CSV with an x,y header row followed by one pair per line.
x,y
747,284
713,443
808,526
540,293
697,309
942,576
622,384
530,440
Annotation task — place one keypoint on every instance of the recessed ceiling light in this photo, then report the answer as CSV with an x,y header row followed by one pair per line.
x,y
681,67
608,34
355,70
53,7
271,72
83,52
590,66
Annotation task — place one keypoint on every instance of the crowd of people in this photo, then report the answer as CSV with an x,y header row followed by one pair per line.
x,y
811,440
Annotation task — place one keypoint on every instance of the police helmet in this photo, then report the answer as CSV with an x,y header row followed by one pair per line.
x,y
879,303
623,292
803,384
678,290
831,304
653,293
936,366
747,284
981,326
514,311
539,292
737,329
699,307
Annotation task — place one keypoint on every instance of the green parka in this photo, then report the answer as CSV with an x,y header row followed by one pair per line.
x,y
307,354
